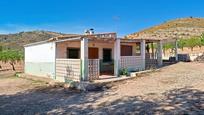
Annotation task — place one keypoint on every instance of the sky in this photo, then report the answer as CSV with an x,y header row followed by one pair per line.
x,y
74,16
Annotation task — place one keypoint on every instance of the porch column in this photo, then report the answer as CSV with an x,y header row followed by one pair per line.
x,y
152,47
84,59
176,50
159,53
143,51
116,57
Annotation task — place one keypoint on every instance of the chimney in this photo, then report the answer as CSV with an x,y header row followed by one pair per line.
x,y
89,31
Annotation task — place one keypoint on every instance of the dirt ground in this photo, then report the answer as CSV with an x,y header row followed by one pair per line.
x,y
175,89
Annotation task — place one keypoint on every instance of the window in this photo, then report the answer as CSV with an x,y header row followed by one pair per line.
x,y
107,55
126,50
73,53
138,49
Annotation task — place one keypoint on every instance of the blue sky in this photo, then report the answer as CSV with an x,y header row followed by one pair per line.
x,y
74,16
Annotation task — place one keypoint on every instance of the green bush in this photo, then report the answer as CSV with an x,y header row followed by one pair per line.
x,y
124,71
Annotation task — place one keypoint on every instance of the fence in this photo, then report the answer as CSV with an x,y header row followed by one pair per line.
x,y
150,61
94,70
68,69
131,62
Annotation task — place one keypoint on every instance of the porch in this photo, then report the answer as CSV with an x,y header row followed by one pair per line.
x,y
85,58
102,56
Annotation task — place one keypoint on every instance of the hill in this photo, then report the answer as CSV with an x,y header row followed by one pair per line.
x,y
16,41
178,27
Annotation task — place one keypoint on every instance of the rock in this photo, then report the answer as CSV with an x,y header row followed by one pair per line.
x,y
200,58
66,85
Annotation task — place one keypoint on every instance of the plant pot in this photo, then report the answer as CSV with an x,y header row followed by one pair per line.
x,y
133,74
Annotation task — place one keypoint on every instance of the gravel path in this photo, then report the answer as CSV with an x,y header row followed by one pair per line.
x,y
176,89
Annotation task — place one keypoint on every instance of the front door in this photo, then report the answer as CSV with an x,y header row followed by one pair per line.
x,y
107,65
93,53
107,55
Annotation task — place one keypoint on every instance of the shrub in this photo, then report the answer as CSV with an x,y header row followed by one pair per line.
x,y
124,71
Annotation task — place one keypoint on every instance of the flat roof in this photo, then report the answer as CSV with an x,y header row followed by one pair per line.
x,y
102,36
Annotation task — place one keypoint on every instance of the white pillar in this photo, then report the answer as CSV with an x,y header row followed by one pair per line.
x,y
176,50
84,59
116,57
152,47
159,53
143,51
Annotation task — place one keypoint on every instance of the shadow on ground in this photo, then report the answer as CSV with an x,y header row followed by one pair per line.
x,y
60,101
177,101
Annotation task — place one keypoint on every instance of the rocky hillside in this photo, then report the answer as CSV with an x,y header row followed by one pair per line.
x,y
16,41
175,28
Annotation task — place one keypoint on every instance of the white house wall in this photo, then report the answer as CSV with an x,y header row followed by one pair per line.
x,y
40,59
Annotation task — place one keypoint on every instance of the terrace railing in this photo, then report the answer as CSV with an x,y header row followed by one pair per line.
x,y
132,63
94,69
68,69
150,61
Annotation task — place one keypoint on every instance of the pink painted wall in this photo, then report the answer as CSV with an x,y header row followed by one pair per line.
x,y
62,47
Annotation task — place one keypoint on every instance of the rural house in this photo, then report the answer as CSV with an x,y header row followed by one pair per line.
x,y
90,56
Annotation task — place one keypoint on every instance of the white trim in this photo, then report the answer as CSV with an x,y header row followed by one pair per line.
x,y
46,41
36,43
143,52
176,50
55,61
66,59
117,57
160,52
77,38
84,59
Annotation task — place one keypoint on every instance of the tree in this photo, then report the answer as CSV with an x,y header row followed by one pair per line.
x,y
1,48
11,56
182,43
199,42
202,39
192,42
167,46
